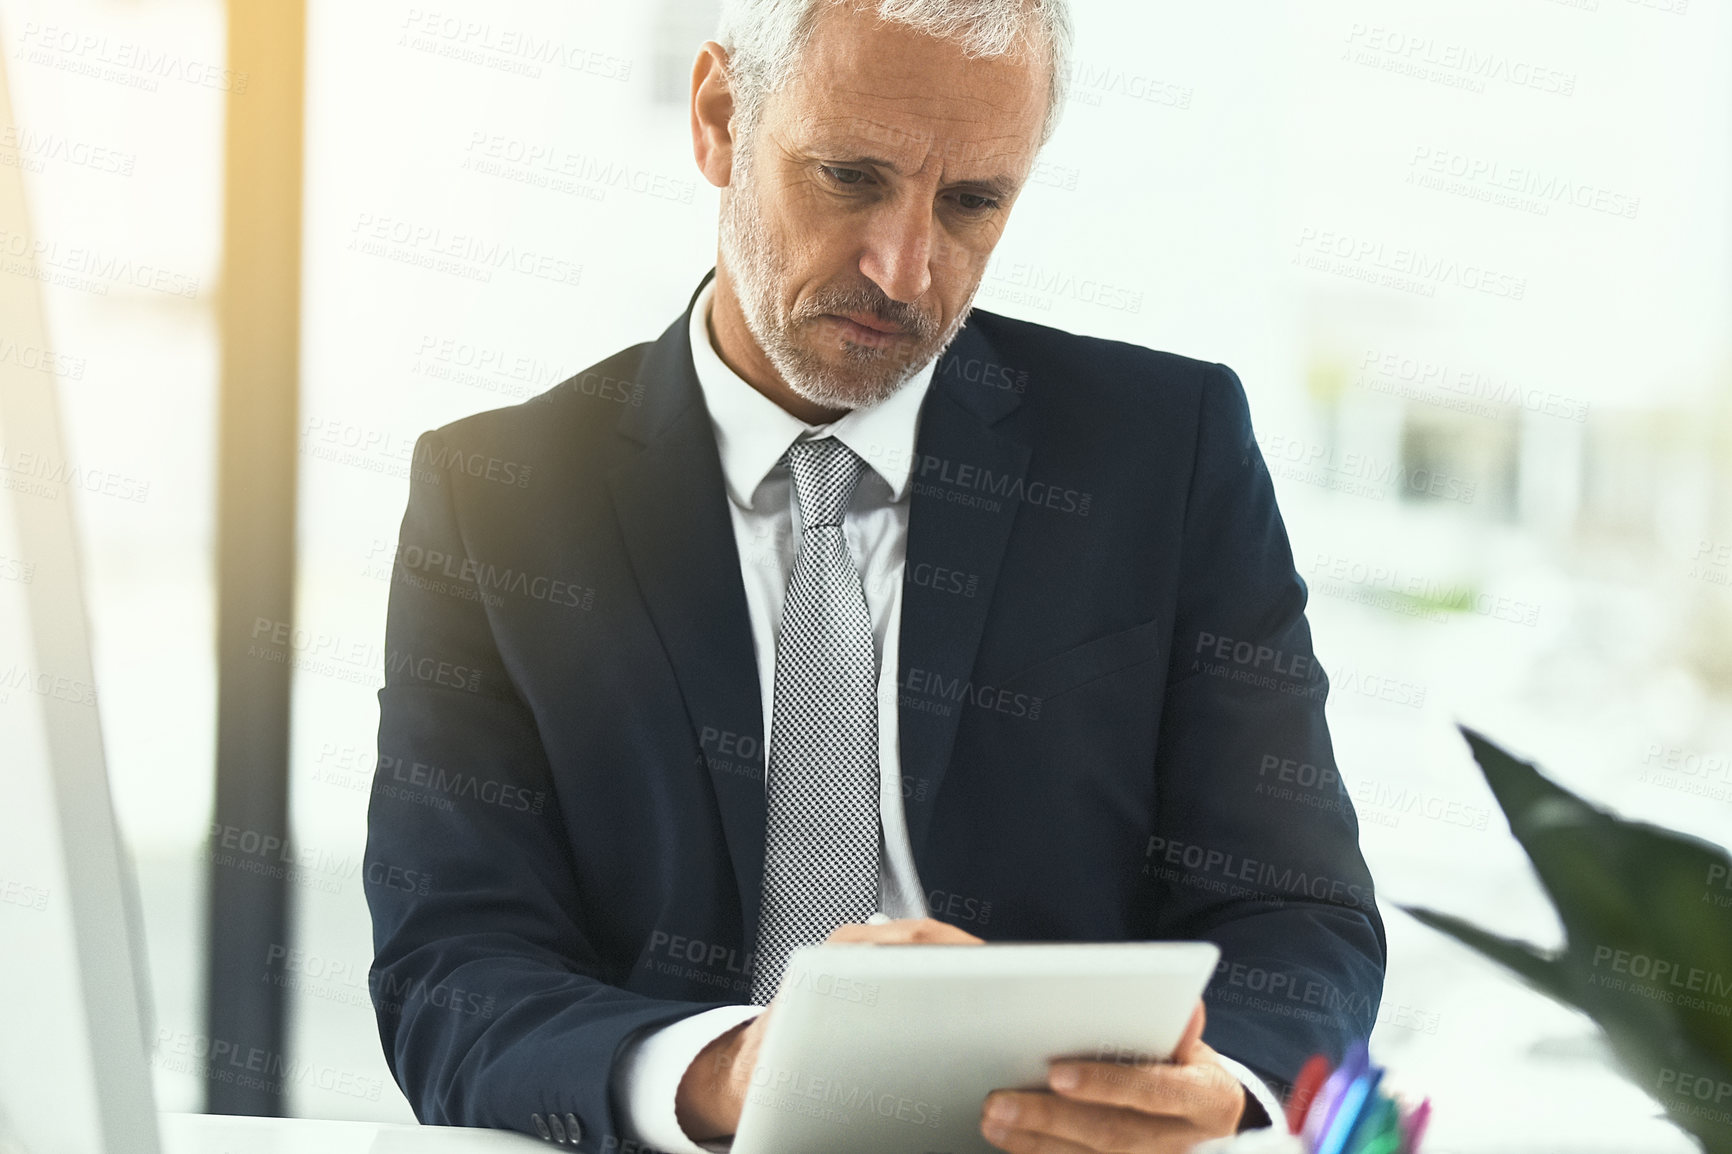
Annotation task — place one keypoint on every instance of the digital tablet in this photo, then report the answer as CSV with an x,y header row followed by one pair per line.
x,y
892,1049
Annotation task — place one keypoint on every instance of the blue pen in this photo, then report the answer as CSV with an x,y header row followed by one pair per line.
x,y
1379,1129
1353,1104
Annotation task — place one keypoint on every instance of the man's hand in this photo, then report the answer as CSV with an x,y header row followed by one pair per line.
x,y
1104,1106
713,1091
907,931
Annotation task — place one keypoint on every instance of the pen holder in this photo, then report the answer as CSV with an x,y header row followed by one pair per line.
x,y
1348,1111
1344,1111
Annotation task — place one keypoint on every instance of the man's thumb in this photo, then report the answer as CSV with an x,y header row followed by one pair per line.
x,y
1184,1052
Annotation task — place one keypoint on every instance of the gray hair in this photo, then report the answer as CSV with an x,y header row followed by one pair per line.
x,y
764,39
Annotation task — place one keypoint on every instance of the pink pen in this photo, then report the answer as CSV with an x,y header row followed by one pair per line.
x,y
1413,1128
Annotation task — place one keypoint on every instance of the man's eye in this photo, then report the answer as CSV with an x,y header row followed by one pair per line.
x,y
843,175
974,202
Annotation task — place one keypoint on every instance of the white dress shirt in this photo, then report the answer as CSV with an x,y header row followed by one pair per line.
x,y
752,432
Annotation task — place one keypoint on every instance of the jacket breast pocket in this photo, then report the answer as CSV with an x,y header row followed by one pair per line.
x,y
1089,662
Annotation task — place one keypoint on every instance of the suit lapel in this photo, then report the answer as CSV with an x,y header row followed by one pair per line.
x,y
671,503
968,483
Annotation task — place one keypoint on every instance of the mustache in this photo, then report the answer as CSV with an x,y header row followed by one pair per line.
x,y
871,300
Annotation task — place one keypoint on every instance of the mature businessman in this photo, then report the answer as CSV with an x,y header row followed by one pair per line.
x,y
842,598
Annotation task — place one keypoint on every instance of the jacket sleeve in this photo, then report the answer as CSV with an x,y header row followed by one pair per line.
x,y
1256,845
492,1003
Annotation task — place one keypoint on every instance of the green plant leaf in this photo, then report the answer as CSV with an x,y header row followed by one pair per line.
x,y
1537,969
1647,941
1647,917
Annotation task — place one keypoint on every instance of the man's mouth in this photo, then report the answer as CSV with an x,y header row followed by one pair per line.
x,y
868,321
866,329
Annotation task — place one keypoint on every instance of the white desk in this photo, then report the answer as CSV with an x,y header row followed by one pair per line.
x,y
228,1134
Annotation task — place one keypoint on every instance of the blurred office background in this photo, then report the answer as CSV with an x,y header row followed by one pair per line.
x,y
1472,262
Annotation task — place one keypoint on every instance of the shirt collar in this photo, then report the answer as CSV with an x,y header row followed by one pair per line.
x,y
752,431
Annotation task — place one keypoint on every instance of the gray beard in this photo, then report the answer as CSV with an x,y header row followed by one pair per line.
x,y
868,375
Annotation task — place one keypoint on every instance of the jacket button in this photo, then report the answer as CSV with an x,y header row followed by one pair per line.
x,y
558,1128
541,1126
575,1129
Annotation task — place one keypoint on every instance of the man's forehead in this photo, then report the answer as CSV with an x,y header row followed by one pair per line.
x,y
908,143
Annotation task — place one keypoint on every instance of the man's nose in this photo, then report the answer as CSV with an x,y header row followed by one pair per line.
x,y
898,251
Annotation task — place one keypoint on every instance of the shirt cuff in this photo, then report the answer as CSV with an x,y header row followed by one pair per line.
x,y
1256,1087
650,1073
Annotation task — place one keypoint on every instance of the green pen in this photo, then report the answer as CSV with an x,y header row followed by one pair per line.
x,y
1381,1132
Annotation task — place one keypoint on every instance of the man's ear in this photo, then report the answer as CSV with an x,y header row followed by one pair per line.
x,y
712,111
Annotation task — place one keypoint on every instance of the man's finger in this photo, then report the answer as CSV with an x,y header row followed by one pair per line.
x,y
1081,1125
1033,1142
905,931
1164,1088
1185,1051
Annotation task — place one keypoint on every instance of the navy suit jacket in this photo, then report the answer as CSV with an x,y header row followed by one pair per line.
x,y
1111,722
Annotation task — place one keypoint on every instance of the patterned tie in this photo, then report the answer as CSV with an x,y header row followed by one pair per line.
x,y
821,836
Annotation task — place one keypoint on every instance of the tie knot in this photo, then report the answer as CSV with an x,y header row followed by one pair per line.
x,y
825,472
